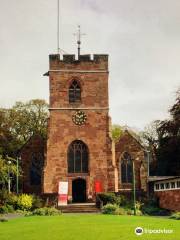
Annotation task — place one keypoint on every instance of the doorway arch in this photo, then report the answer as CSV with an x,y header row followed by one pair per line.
x,y
79,190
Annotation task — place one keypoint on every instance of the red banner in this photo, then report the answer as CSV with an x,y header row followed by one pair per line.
x,y
98,187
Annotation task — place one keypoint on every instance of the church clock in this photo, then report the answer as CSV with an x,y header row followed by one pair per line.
x,y
79,118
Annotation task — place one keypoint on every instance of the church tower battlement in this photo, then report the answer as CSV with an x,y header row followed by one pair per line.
x,y
98,61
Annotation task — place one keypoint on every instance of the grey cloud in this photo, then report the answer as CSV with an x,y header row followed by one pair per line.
x,y
142,38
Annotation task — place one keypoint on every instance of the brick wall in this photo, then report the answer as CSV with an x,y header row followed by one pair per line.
x,y
169,199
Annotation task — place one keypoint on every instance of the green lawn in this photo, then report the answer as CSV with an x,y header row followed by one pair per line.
x,y
86,227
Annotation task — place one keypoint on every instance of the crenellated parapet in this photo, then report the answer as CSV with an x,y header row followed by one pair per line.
x,y
96,62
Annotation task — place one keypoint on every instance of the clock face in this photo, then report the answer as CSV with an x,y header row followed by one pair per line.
x,y
79,118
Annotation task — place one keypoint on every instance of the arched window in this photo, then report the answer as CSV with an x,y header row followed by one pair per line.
x,y
77,157
36,168
74,92
126,168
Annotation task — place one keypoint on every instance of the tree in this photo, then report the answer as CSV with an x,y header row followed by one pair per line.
x,y
163,139
20,122
29,118
116,132
169,145
8,142
151,138
7,170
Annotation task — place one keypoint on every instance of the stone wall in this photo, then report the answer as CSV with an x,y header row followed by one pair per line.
x,y
93,78
128,143
35,146
169,199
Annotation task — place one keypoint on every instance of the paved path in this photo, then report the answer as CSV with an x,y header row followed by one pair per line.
x,y
12,215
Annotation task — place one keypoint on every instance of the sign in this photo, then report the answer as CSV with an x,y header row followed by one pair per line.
x,y
98,187
62,193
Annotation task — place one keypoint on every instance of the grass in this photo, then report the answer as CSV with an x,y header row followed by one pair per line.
x,y
86,227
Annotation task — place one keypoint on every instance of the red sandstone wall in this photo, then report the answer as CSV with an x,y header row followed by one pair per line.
x,y
128,143
94,133
35,145
169,199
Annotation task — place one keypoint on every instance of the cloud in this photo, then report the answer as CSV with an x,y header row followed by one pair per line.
x,y
141,37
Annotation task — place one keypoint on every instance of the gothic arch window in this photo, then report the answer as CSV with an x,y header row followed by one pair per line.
x,y
77,157
126,168
36,168
74,92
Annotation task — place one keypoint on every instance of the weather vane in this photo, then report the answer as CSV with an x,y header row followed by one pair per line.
x,y
78,35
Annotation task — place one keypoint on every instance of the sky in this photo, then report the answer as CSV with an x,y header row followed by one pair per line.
x,y
142,38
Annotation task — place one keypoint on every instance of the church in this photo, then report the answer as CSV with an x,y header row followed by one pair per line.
x,y
79,148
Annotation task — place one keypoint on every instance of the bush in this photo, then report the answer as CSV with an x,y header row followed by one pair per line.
x,y
112,198
3,220
120,211
12,200
37,202
3,196
46,211
129,211
151,208
175,216
3,209
24,202
154,211
138,213
110,209
107,198
6,209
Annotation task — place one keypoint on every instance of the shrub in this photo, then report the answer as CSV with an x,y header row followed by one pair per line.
x,y
46,211
151,207
37,202
110,209
12,200
175,216
3,196
154,211
6,209
138,212
107,198
3,209
24,202
122,200
129,211
120,211
3,220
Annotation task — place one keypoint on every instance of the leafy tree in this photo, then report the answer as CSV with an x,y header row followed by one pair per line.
x,y
7,168
8,142
151,138
163,139
117,132
29,118
169,145
19,123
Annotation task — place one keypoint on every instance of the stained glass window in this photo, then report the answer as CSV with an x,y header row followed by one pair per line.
x,y
77,157
126,168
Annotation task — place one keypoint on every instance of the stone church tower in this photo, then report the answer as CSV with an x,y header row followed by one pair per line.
x,y
79,149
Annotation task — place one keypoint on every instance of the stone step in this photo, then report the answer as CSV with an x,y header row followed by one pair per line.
x,y
79,208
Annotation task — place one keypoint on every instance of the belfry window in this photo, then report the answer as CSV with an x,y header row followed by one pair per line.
x,y
74,92
77,157
126,168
